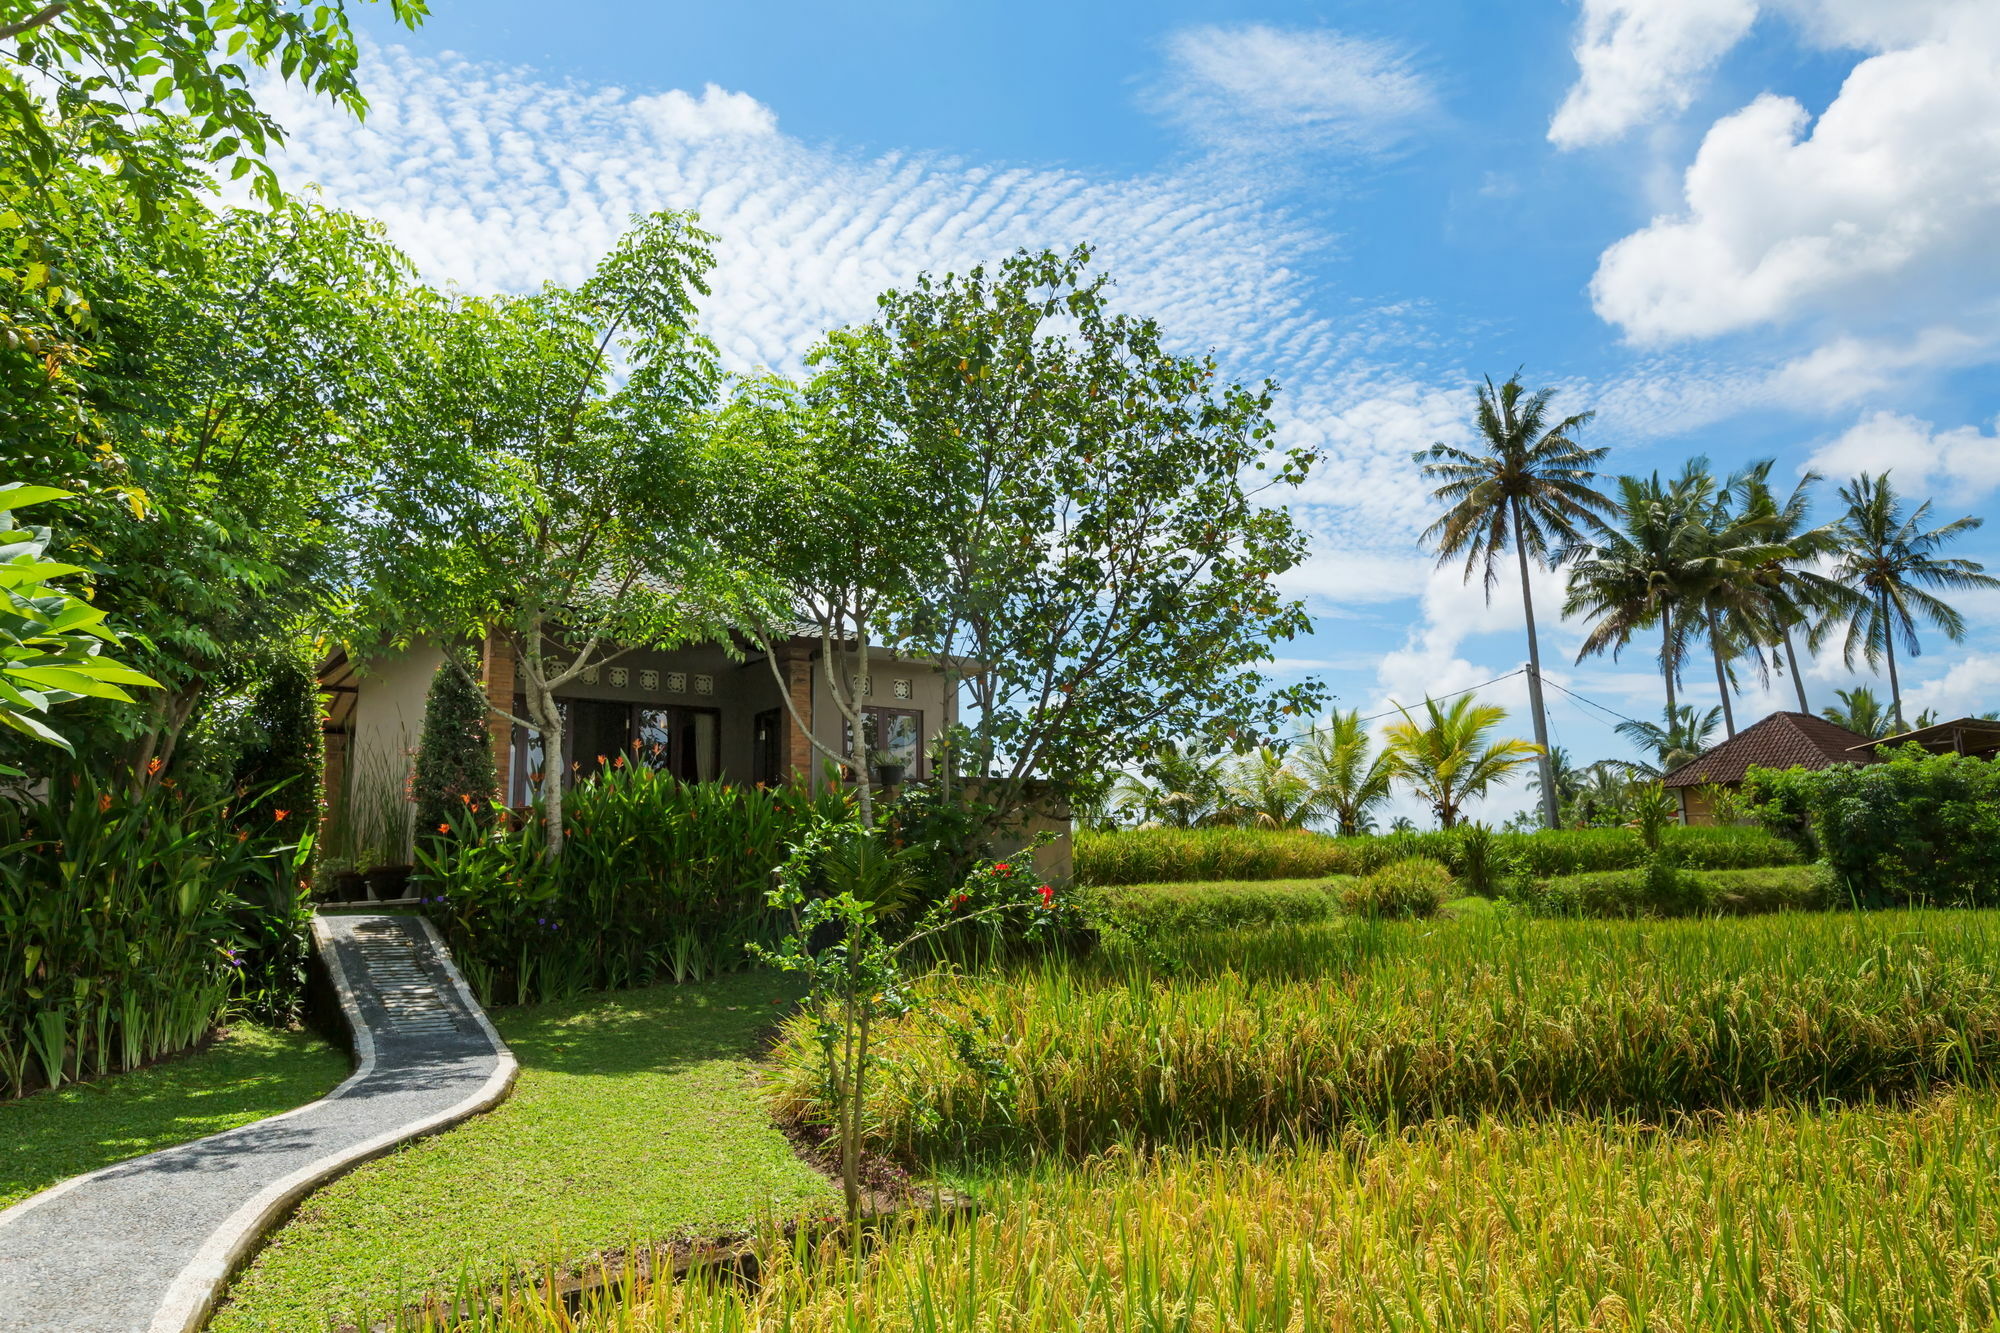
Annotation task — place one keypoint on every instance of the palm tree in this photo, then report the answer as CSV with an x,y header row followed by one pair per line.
x,y
1563,776
1681,735
1186,790
1603,793
1795,594
1264,790
1890,560
1860,711
1638,575
1531,489
1347,780
1447,758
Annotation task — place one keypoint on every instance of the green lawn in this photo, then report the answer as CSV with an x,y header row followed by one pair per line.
x,y
248,1074
635,1117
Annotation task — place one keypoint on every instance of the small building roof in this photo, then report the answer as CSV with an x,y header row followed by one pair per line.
x,y
1782,740
1964,735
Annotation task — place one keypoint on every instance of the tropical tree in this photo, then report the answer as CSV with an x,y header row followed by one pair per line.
x,y
1645,571
1447,758
555,480
1265,789
1680,736
1795,595
1892,561
1531,488
1860,710
1183,786
1349,777
1563,777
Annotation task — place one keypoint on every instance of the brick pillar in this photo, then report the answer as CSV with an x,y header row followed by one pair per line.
x,y
798,679
496,667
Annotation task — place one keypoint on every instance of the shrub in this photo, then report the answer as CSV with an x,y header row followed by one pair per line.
x,y
1164,911
660,880
279,771
454,773
1416,886
1162,856
1918,828
126,923
1646,893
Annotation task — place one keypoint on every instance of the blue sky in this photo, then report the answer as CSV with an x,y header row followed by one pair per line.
x,y
1743,228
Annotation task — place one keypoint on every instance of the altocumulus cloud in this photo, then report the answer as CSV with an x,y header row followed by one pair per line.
x,y
497,181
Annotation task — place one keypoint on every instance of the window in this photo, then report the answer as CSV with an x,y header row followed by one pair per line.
x,y
892,735
683,741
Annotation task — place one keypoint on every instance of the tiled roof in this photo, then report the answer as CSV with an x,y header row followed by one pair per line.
x,y
1782,740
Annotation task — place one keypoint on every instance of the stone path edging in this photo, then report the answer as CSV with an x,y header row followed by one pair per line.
x,y
381,1053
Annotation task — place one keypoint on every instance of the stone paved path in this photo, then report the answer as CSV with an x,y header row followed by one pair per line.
x,y
144,1246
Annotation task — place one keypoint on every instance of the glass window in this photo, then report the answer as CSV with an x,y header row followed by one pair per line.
x,y
891,735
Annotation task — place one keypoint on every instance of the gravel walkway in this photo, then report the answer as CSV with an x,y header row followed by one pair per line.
x,y
144,1246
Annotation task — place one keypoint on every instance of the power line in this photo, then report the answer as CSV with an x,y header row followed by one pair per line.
x,y
1591,702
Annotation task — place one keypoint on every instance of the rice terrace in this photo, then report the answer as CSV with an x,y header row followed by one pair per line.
x,y
1243,668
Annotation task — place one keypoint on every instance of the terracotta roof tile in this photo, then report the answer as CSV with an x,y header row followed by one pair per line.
x,y
1782,740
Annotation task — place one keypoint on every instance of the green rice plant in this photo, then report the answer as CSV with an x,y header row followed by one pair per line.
x,y
1636,893
1164,856
126,919
1162,912
1294,1034
1415,886
1860,1217
659,879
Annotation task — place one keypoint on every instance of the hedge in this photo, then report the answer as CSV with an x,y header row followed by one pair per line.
x,y
1166,910
1632,893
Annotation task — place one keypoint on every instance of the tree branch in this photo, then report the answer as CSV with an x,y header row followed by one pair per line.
x,y
45,15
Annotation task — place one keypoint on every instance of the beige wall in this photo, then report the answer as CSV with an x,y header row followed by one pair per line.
x,y
1695,807
927,696
388,718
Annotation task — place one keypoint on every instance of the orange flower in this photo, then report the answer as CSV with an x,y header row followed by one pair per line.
x,y
104,802
279,815
444,828
465,797
155,766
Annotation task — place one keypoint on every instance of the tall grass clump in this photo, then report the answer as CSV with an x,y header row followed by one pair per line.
x,y
659,880
1295,1034
1162,856
1173,911
1859,1217
129,923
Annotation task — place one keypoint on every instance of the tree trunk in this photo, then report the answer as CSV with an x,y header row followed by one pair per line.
x,y
1667,659
547,718
1792,665
1889,646
1551,817
1721,678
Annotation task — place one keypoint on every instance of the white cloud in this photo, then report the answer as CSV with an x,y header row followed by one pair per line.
x,y
1263,90
1885,205
1963,462
1638,58
1970,686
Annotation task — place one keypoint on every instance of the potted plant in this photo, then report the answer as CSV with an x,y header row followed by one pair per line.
x,y
388,883
889,770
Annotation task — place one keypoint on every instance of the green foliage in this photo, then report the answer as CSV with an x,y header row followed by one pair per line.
x,y
1447,758
1302,1033
1163,856
454,775
1166,912
51,641
1348,782
1414,886
128,921
1919,828
1648,892
279,772
668,882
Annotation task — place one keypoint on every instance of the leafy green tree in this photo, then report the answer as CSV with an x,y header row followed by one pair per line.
x,y
51,640
540,496
1796,596
1531,489
1678,738
454,778
280,771
1349,777
1107,564
1892,561
1447,758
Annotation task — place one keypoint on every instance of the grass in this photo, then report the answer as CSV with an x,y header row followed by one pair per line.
x,y
1166,910
1295,1033
247,1074
1153,856
1625,893
1853,1218
634,1118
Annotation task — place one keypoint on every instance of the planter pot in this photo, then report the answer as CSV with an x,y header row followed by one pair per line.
x,y
890,775
349,886
387,882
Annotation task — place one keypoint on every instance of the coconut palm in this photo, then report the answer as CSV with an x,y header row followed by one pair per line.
x,y
1186,788
1680,736
1448,760
1652,569
1263,789
1603,793
1532,489
1889,558
1349,777
1795,594
1860,710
